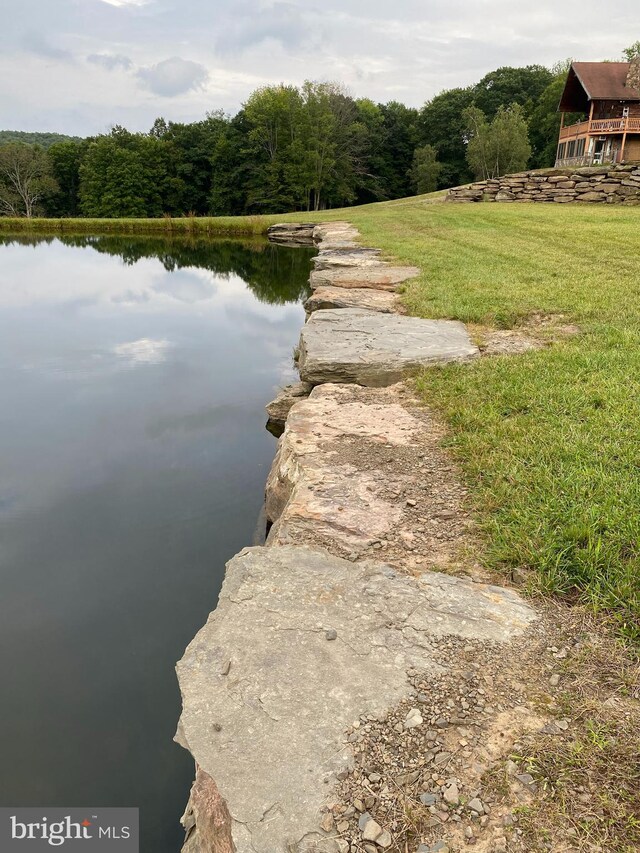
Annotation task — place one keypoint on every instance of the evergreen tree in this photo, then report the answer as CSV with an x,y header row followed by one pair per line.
x,y
66,158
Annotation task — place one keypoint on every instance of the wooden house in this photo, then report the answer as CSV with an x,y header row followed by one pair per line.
x,y
607,97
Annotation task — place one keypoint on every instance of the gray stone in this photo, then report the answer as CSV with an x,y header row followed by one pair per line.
x,y
292,233
475,805
407,778
363,820
428,799
371,830
373,349
278,409
452,794
348,257
289,711
358,297
527,781
379,277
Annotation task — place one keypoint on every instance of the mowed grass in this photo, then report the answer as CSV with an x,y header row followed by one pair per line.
x,y
549,440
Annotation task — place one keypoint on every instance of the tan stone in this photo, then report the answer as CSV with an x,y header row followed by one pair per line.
x,y
379,278
354,297
591,196
312,495
278,409
206,821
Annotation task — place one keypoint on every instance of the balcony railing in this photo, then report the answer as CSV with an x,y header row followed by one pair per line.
x,y
601,126
588,160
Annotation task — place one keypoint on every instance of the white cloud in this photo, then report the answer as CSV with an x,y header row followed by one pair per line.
x,y
110,60
144,351
223,49
174,76
126,2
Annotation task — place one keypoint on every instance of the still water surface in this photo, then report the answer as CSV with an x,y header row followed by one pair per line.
x,y
133,458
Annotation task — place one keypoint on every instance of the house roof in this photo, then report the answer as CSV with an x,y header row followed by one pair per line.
x,y
596,81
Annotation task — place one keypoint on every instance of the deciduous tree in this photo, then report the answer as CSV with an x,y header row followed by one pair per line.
x,y
25,179
425,169
498,147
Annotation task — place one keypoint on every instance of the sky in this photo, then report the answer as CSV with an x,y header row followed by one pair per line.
x,y
81,66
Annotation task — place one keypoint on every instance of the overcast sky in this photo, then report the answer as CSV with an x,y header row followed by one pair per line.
x,y
80,66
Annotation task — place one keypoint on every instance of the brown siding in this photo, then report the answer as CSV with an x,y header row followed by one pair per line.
x,y
613,109
632,148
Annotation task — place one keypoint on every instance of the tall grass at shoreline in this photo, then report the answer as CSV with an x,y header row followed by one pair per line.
x,y
185,226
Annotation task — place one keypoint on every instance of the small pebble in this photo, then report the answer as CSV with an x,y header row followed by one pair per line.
x,y
327,822
476,805
372,830
384,840
428,799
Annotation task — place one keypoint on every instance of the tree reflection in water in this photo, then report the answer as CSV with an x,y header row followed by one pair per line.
x,y
275,274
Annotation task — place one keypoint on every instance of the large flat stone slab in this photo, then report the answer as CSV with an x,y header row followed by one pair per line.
x,y
347,257
378,277
302,644
324,298
292,233
336,235
374,349
361,472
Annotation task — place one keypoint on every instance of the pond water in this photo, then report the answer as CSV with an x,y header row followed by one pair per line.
x,y
133,459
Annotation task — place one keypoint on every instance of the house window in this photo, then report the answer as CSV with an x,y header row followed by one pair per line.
x,y
561,149
571,149
580,147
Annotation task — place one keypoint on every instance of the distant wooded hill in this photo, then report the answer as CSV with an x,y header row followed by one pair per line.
x,y
46,140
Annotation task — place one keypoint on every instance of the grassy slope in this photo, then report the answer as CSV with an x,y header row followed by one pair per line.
x,y
549,440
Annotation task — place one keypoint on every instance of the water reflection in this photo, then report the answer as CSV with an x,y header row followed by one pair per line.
x,y
275,274
133,458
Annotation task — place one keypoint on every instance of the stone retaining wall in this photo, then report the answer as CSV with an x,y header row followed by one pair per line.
x,y
322,632
599,185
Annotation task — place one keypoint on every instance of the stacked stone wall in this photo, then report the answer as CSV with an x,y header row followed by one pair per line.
x,y
593,185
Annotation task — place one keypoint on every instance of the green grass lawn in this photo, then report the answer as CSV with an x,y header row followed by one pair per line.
x,y
548,440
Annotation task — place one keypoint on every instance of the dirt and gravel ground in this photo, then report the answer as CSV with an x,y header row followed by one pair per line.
x,y
529,748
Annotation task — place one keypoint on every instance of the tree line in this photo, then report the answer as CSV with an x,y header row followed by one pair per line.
x,y
293,148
